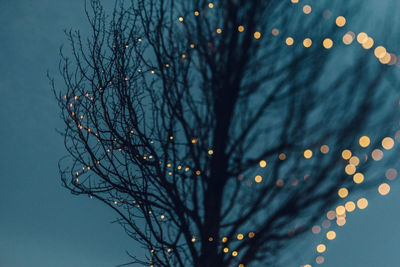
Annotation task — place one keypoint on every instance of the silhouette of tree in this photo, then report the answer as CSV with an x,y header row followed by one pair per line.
x,y
213,137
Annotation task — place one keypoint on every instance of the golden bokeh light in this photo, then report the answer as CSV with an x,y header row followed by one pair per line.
x,y
368,44
362,37
289,41
263,163
364,141
257,35
387,143
380,52
327,43
362,203
258,179
241,28
307,9
240,236
340,21
308,153
354,160
343,192
358,178
384,189
331,235
340,210
385,59
341,221
346,154
307,42
321,248
350,169
350,206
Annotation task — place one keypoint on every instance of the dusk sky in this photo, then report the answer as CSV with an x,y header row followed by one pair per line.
x,y
43,225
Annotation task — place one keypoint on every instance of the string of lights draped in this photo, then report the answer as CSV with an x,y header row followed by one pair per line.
x,y
353,161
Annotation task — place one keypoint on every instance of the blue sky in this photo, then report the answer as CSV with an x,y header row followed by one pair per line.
x,y
42,224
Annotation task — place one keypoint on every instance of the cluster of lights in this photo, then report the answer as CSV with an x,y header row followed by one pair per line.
x,y
340,211
387,143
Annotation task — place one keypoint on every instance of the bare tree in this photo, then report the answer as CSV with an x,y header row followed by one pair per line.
x,y
213,137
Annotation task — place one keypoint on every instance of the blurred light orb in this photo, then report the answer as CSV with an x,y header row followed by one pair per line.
x,y
391,174
326,224
377,154
350,206
384,189
358,178
327,43
380,52
350,169
275,32
385,59
354,160
340,21
343,192
346,154
307,42
348,38
340,210
387,143
258,179
393,59
331,235
324,149
321,248
341,221
326,14
331,215
263,163
362,203
316,229
319,260
289,41
368,44
308,153
362,37
364,141
307,9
